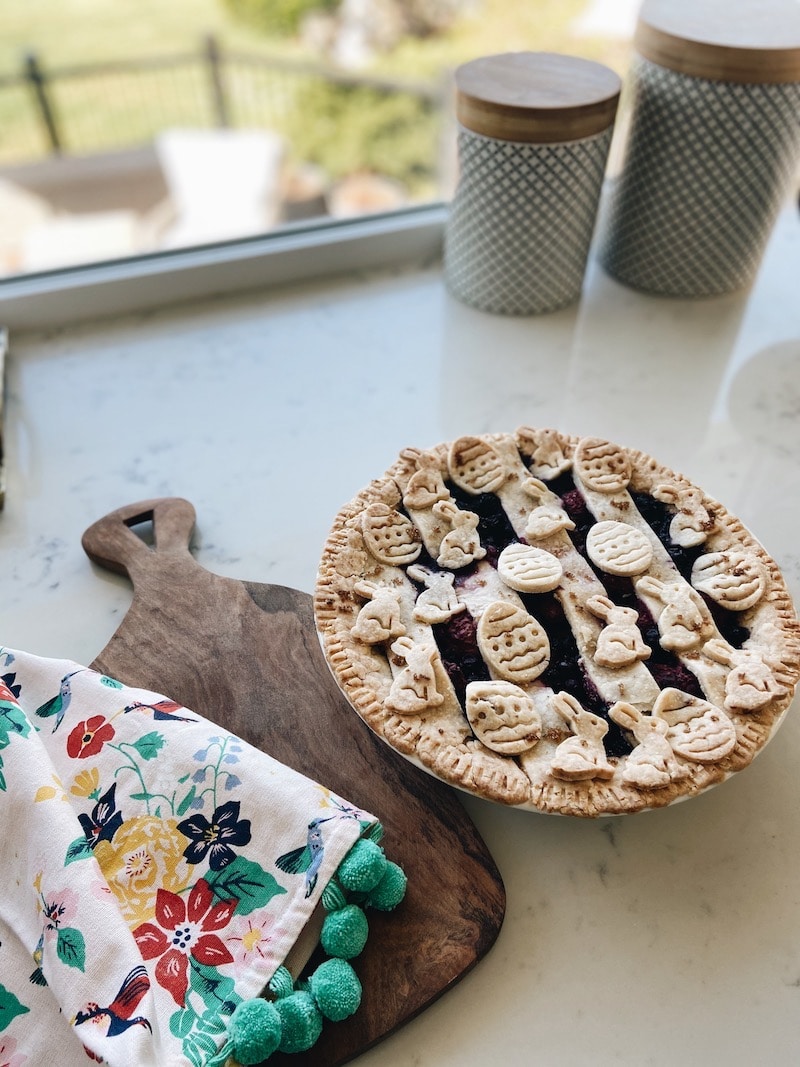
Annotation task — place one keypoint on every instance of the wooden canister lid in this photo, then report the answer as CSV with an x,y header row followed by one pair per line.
x,y
745,41
536,97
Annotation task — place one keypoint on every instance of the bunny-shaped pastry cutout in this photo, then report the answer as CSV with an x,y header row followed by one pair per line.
x,y
426,485
461,545
751,681
414,688
684,621
380,618
548,458
652,764
620,642
438,601
545,519
693,522
581,756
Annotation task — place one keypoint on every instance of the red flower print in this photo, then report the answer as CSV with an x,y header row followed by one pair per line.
x,y
185,929
89,736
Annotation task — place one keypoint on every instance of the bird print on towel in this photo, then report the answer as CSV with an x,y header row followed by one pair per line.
x,y
119,1013
58,704
163,710
307,859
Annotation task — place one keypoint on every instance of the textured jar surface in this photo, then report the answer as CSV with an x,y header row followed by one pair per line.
x,y
706,169
521,221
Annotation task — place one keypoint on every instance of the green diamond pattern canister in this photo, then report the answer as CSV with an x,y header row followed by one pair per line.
x,y
534,131
713,145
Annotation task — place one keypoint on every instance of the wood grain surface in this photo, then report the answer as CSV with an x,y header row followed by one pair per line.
x,y
536,97
246,655
749,42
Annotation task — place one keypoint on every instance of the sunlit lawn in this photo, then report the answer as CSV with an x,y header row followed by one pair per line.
x,y
127,109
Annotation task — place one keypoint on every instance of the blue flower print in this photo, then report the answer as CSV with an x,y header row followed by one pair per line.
x,y
217,837
104,821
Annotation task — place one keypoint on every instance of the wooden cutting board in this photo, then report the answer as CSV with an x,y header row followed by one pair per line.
x,y
247,656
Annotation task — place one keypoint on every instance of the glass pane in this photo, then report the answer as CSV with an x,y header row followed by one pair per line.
x,y
143,126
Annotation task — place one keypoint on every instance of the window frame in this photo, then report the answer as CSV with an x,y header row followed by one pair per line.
x,y
296,253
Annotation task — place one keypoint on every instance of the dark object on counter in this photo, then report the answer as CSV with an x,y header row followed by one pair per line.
x,y
247,656
713,145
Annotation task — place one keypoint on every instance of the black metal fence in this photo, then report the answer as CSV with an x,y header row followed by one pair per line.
x,y
322,113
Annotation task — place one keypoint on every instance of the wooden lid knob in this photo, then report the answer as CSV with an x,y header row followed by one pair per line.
x,y
744,41
536,97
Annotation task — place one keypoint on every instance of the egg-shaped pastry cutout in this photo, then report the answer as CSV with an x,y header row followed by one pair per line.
x,y
390,536
735,580
698,730
601,465
512,642
503,716
529,569
476,466
619,548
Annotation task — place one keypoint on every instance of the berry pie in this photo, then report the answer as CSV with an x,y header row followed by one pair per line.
x,y
556,623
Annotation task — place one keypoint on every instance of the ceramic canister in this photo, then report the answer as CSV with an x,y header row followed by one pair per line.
x,y
534,131
712,148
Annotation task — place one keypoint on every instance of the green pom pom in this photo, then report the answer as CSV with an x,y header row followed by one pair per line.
x,y
301,1022
254,1031
336,989
345,932
363,867
391,889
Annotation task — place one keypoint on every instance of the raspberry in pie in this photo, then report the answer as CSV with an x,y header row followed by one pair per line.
x,y
556,623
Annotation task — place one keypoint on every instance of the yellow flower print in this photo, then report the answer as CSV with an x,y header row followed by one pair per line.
x,y
145,855
51,792
87,783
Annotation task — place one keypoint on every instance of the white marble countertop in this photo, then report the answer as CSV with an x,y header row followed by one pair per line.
x,y
666,938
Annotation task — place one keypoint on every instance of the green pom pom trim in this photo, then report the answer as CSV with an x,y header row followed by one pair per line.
x,y
293,1021
332,896
254,1031
363,867
375,832
336,989
301,1021
281,984
391,889
345,932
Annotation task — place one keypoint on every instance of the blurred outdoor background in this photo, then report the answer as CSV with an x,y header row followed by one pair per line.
x,y
128,126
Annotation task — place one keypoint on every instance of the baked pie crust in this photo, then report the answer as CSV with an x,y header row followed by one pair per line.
x,y
557,623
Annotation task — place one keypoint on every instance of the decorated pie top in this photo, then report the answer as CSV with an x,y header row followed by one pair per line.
x,y
557,623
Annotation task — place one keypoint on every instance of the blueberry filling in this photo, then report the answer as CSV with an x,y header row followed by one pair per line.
x,y
494,528
456,638
457,642
665,667
566,670
659,515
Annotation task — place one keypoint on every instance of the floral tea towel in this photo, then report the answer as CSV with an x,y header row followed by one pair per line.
x,y
158,874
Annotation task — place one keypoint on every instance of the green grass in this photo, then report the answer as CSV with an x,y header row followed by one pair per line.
x,y
129,108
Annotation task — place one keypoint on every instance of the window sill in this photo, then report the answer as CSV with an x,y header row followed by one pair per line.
x,y
144,283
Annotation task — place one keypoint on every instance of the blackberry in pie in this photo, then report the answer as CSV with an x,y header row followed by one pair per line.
x,y
556,623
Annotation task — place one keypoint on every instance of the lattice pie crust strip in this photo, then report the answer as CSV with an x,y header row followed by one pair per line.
x,y
556,623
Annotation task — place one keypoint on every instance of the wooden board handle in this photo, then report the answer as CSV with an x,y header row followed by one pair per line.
x,y
111,543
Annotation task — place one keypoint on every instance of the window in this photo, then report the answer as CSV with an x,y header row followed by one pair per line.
x,y
144,127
